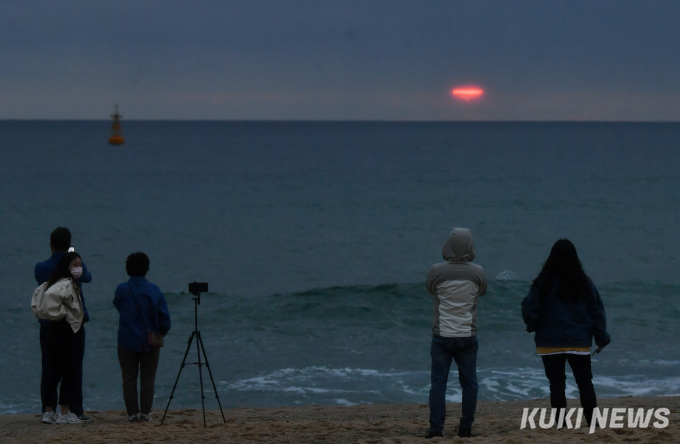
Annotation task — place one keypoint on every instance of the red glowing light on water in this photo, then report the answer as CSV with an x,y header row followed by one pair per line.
x,y
467,93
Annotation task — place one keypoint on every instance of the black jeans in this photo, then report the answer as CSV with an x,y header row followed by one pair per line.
x,y
77,402
51,373
580,367
61,346
144,364
50,377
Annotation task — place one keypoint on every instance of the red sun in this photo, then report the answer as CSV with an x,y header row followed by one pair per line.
x,y
467,93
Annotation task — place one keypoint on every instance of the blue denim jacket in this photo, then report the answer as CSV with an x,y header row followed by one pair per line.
x,y
132,328
558,323
43,271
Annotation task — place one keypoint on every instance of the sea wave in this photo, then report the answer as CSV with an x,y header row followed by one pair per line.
x,y
353,344
356,385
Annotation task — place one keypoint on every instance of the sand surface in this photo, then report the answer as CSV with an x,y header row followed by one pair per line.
x,y
495,422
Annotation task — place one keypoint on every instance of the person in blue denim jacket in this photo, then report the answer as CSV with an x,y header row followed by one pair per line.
x,y
142,309
565,311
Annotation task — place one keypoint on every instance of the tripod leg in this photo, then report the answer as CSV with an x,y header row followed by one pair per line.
x,y
191,338
200,373
200,341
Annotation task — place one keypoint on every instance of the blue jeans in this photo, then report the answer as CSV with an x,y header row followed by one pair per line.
x,y
464,352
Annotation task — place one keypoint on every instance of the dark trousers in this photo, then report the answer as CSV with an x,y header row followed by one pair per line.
x,y
580,367
144,364
51,373
76,405
49,380
61,359
443,352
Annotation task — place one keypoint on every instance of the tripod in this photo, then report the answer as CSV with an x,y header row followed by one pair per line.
x,y
199,347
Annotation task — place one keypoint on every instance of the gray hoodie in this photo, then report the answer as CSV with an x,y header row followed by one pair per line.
x,y
456,284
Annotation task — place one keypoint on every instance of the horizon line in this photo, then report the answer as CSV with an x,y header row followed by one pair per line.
x,y
341,120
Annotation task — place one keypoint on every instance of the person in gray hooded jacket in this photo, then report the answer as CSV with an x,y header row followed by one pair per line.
x,y
455,285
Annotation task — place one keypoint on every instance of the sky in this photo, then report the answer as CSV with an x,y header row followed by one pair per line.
x,y
573,60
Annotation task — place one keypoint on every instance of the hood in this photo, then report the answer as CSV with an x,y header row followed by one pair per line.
x,y
459,247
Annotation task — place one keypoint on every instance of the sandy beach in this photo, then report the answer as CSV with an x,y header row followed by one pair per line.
x,y
496,422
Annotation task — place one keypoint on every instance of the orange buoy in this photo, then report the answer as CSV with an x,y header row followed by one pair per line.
x,y
116,134
116,140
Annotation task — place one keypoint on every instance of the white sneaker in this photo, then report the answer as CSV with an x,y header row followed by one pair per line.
x,y
49,418
69,418
145,417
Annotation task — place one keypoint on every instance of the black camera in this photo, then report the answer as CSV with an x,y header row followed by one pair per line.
x,y
198,287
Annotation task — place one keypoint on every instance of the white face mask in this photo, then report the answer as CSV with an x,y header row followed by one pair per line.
x,y
76,272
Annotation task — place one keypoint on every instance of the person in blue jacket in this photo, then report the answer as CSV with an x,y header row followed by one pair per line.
x,y
565,311
143,309
60,241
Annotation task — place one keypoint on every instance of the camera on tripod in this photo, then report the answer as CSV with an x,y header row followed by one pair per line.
x,y
198,287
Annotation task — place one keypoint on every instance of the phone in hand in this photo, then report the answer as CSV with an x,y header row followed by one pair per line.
x,y
71,249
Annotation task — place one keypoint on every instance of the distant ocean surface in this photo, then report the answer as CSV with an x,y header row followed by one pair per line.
x,y
316,238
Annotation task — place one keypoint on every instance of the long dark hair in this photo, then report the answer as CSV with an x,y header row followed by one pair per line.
x,y
62,271
564,266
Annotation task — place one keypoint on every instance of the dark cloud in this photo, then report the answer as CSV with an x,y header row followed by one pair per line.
x,y
340,60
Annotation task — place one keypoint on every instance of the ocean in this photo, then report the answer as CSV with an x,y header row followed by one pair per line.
x,y
316,238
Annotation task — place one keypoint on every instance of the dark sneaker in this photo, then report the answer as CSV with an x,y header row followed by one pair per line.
x,y
133,418
84,417
464,432
431,434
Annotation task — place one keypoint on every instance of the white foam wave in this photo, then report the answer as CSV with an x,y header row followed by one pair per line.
x,y
648,362
310,380
12,407
506,275
634,386
351,386
369,385
345,402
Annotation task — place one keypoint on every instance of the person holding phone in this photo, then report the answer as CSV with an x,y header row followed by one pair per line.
x,y
144,316
565,311
60,244
58,300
